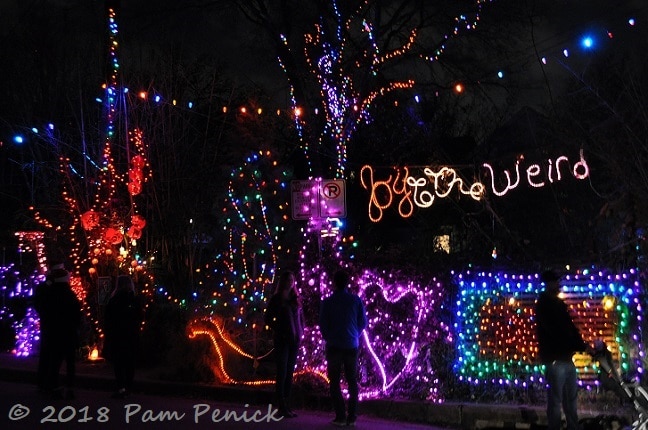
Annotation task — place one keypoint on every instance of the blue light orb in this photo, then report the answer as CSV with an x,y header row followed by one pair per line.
x,y
587,42
19,139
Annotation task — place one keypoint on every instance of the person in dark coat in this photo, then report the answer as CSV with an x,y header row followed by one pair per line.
x,y
342,319
41,293
59,311
558,340
123,318
285,317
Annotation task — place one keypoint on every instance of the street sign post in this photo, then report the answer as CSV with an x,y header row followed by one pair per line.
x,y
318,199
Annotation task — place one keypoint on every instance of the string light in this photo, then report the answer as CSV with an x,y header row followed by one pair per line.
x,y
27,334
238,281
492,331
97,232
390,354
344,106
490,350
495,323
413,192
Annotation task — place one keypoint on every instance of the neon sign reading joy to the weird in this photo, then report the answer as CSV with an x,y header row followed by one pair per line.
x,y
408,192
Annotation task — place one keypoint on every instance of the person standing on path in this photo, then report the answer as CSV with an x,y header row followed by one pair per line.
x,y
123,319
285,317
342,320
59,311
558,340
41,299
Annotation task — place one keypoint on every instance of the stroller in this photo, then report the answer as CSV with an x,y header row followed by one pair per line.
x,y
631,393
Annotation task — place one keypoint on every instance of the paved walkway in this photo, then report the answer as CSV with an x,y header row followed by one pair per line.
x,y
98,376
21,408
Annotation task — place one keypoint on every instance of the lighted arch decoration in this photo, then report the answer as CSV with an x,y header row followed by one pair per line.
x,y
495,324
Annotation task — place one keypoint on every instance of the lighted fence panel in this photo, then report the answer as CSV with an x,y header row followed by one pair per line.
x,y
495,324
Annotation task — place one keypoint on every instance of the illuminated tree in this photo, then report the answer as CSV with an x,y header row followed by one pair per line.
x,y
100,219
355,53
240,280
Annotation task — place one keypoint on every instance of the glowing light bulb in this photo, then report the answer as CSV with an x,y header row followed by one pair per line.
x,y
587,42
608,303
94,354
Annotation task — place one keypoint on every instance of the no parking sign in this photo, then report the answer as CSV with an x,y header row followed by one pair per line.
x,y
318,198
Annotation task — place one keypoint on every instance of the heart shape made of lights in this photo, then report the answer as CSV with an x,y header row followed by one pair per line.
x,y
402,321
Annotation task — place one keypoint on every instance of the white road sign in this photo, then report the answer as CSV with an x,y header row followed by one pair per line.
x,y
318,198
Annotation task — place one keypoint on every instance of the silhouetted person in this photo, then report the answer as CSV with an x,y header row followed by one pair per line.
x,y
285,316
342,319
59,311
45,348
558,340
123,318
